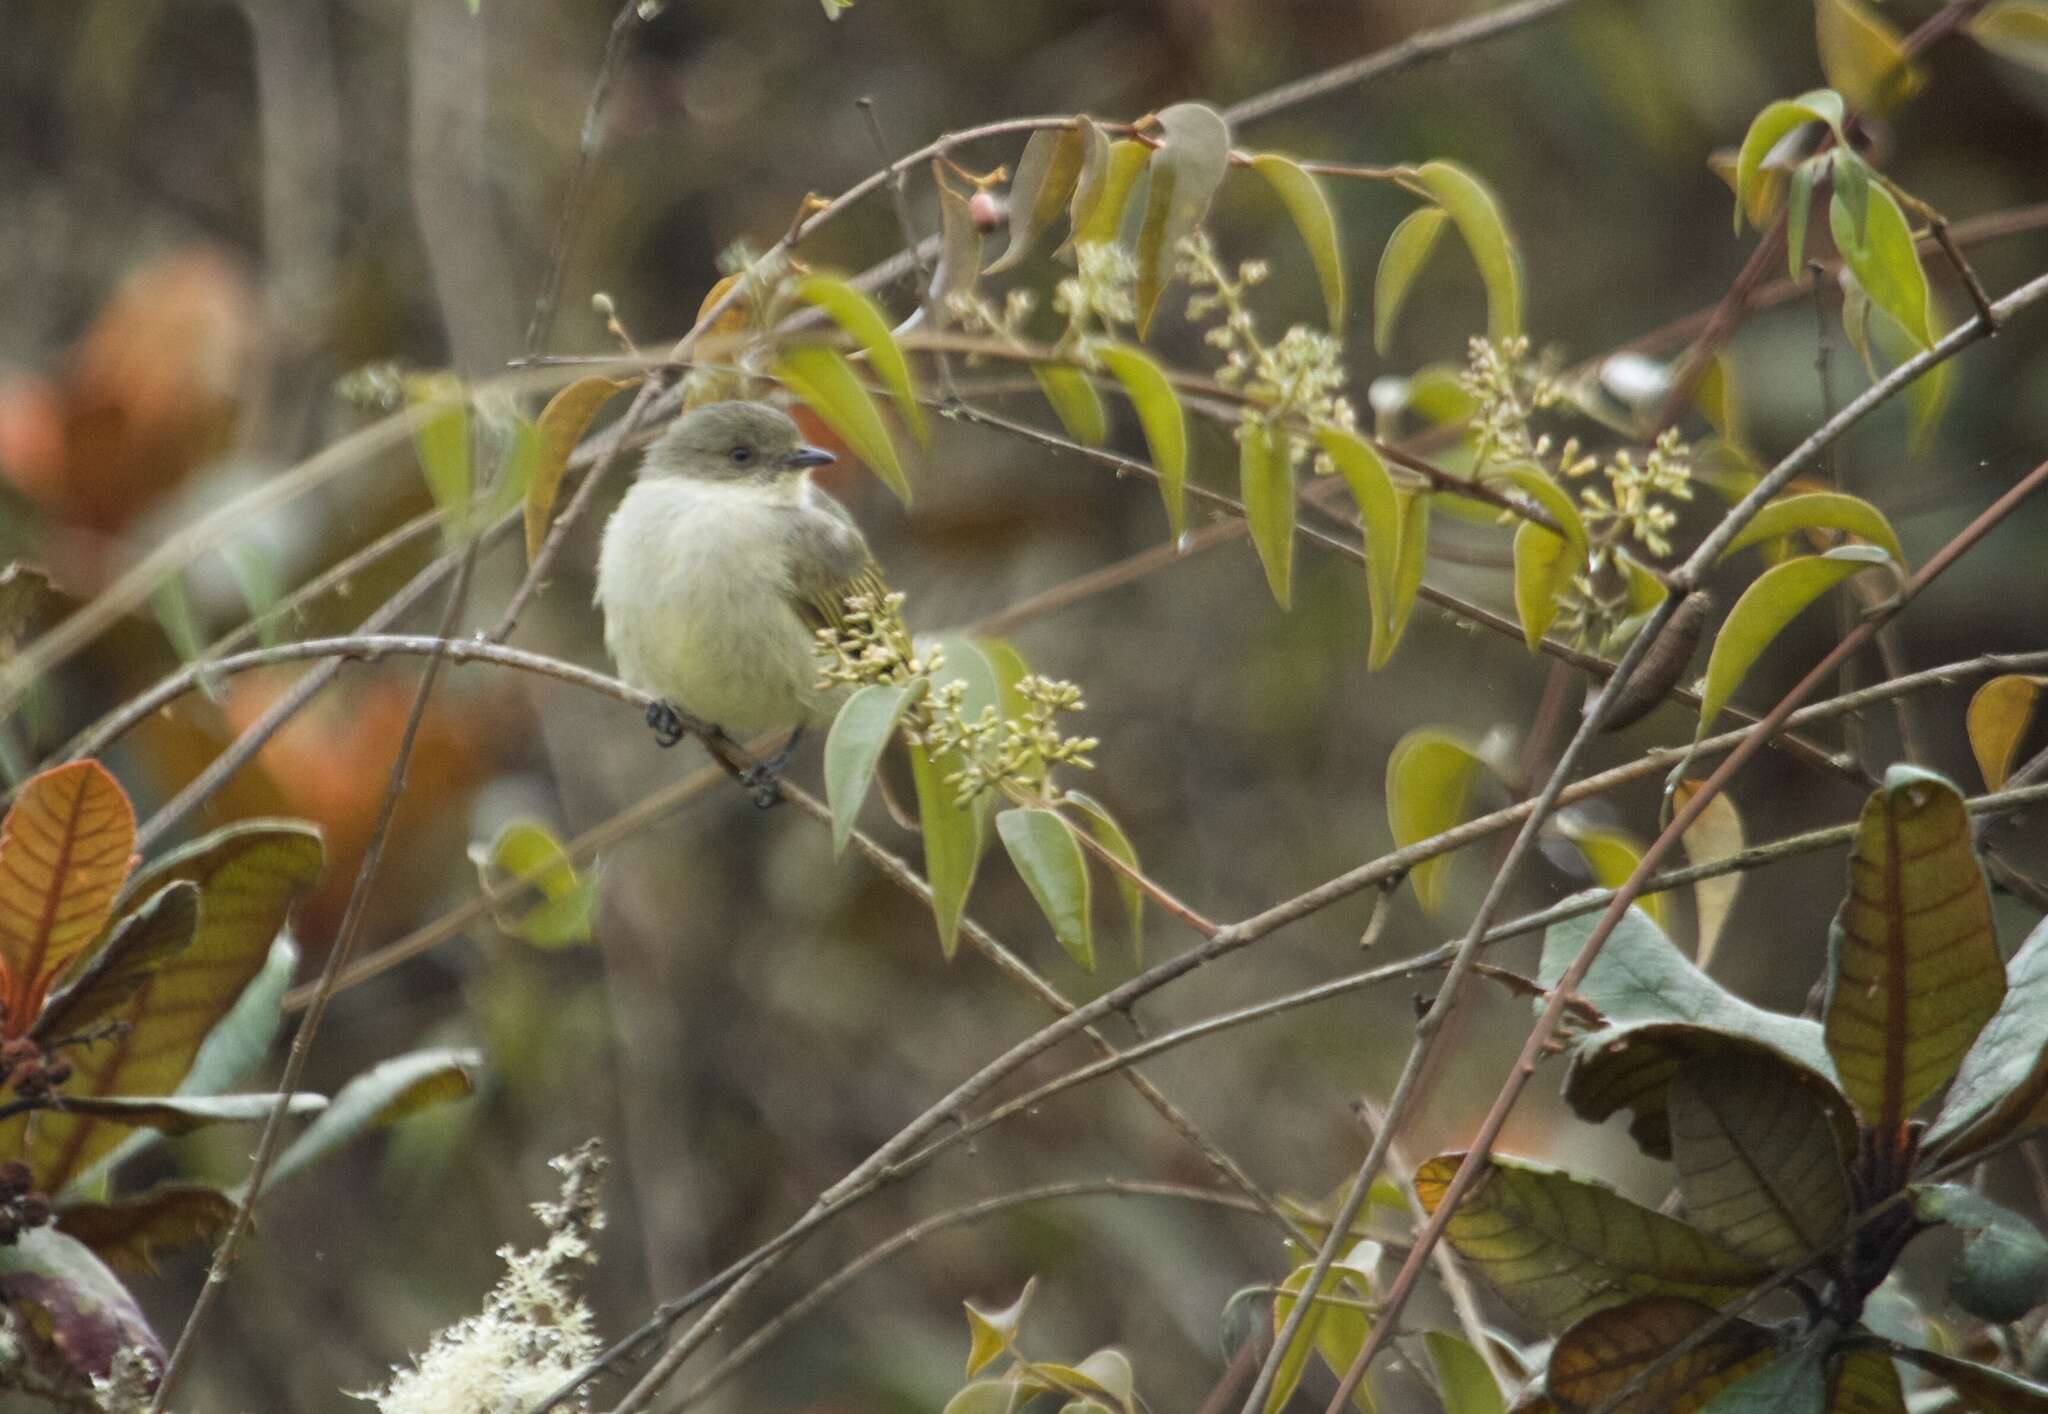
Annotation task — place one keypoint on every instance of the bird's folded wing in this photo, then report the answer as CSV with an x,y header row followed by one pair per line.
x,y
829,560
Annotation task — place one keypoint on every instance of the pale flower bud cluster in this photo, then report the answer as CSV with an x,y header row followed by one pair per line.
x,y
1101,293
871,645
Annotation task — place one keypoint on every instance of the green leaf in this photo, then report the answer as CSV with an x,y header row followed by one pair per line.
x,y
2002,1272
1049,860
1865,1382
1105,214
2000,713
1111,837
1986,1389
1073,396
1408,250
1764,1179
382,1095
2015,30
1864,58
991,1332
441,437
104,977
1294,1363
1769,128
864,324
1165,423
127,1233
1914,972
1820,510
1544,569
827,383
527,854
1476,210
521,457
2003,1081
1193,155
1602,1354
1462,1379
1305,202
1379,512
860,733
1046,177
953,833
1612,856
1429,775
985,1397
1407,574
1794,1383
561,426
1266,481
1093,181
1798,212
240,1040
1777,597
1881,253
1557,1248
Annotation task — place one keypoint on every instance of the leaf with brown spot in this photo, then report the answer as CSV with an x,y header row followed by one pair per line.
x,y
64,850
127,1233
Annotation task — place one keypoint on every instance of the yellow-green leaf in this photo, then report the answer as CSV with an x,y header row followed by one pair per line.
x,y
864,324
1716,835
1379,514
1545,563
526,854
107,973
1305,202
1407,575
1073,397
387,1092
1769,128
1914,970
1111,837
1612,856
1429,775
827,383
2015,30
1165,423
1462,1379
560,428
1093,180
1866,1382
1046,177
953,833
1266,481
1477,211
1821,510
2000,712
1104,217
1611,1349
1777,597
1049,860
441,437
1408,250
1864,58
1287,1374
1881,253
2003,1081
860,733
1798,213
1194,153
992,1331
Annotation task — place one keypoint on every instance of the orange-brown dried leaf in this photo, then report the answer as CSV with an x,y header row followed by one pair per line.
x,y
64,851
1597,1357
127,1233
561,427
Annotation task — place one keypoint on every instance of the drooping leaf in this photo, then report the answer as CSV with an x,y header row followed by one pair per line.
x,y
1765,1179
863,322
1074,398
1544,569
2002,1272
860,733
1315,1332
1111,837
1105,214
1408,251
1599,1356
23,591
2000,713
959,247
1194,153
1106,1373
1093,180
1776,597
1429,775
827,384
1793,1383
240,1040
1379,511
1462,1378
1475,209
517,462
127,1233
1557,1248
182,1114
1865,1382
1821,510
1165,423
1798,213
136,945
2015,30
1046,177
1982,1386
2003,1080
384,1094
1880,251
441,437
1770,127
1414,551
1612,856
1914,971
1310,210
992,1331
1342,1332
953,833
1049,860
64,850
1864,58
73,1314
526,854
1716,835
1266,482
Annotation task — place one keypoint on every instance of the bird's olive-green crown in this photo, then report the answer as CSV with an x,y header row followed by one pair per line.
x,y
733,442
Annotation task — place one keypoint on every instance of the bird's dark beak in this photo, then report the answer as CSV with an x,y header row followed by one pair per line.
x,y
805,456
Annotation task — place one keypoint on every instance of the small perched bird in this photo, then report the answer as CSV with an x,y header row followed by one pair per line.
x,y
717,570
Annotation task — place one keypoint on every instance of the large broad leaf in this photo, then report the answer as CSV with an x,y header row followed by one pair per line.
x,y
1049,860
138,943
1986,1389
1266,482
1766,1179
1072,395
1111,837
384,1094
1865,1382
2003,1081
247,876
127,1233
1594,1360
1408,250
2000,713
1475,209
1794,1383
1778,596
1769,128
1716,835
1914,971
1310,209
2015,30
64,851
1193,155
1820,510
1046,177
827,384
1105,214
2002,1272
1165,423
1863,57
860,733
560,428
1429,775
1462,1379
858,315
72,1314
1558,1248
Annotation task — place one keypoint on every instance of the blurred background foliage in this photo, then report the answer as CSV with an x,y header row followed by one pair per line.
x,y
213,211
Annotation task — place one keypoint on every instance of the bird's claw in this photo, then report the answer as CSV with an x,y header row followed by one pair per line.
x,y
667,724
764,779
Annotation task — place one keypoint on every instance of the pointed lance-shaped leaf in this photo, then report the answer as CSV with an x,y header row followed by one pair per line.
x,y
1475,209
953,833
1864,57
1111,837
2015,30
1414,551
1429,774
1093,180
866,723
1612,855
858,315
1878,247
389,1091
560,427
1770,127
440,435
1074,398
991,1332
1046,177
1820,510
1408,250
1379,512
64,851
2003,1081
1310,209
1163,419
1611,1349
1777,597
827,383
2000,713
1462,1379
1982,1386
959,248
1914,971
1294,1360
1194,153
1104,217
1266,483
182,1114
1049,860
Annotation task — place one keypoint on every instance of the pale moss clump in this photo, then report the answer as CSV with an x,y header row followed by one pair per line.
x,y
534,1331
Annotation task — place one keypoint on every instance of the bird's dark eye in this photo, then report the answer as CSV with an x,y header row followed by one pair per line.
x,y
741,455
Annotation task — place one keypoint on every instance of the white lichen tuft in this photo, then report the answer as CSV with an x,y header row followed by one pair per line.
x,y
534,1331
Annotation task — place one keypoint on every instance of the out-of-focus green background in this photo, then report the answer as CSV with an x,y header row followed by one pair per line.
x,y
211,211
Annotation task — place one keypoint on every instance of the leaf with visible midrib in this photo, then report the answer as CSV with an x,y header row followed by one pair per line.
x,y
64,850
1193,155
1049,860
827,384
2003,1081
1165,423
1266,483
1602,1354
1046,177
1305,202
